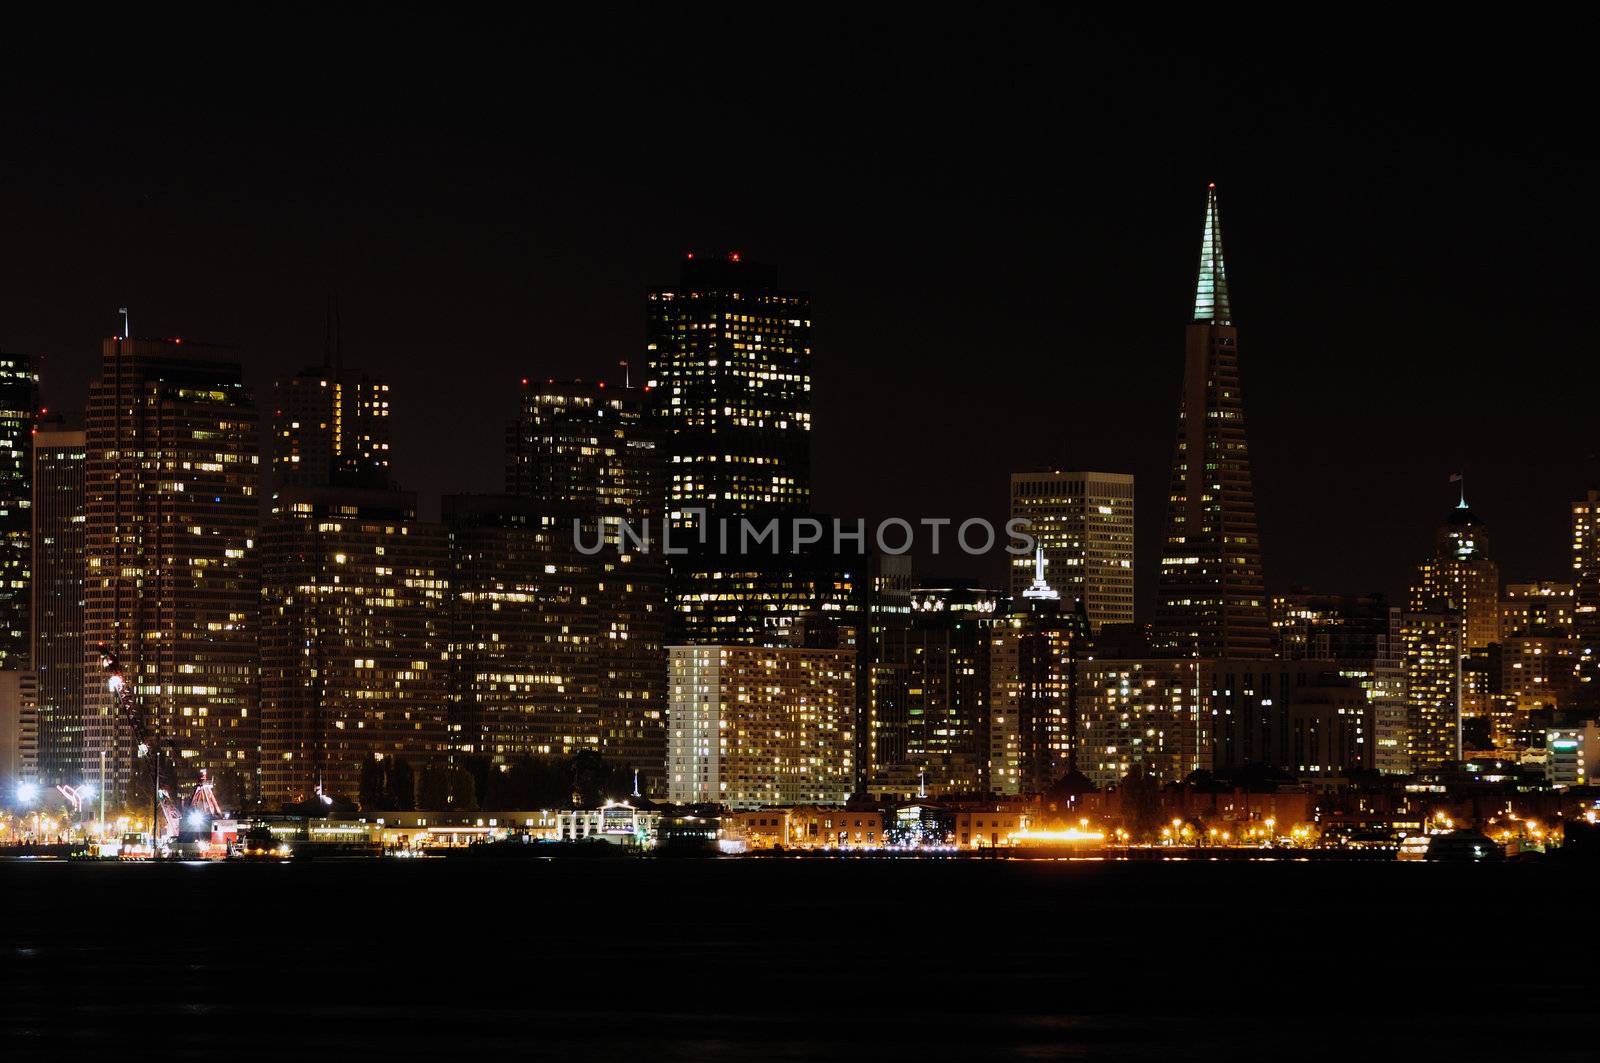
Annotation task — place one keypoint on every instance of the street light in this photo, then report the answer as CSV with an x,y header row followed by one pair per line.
x,y
27,792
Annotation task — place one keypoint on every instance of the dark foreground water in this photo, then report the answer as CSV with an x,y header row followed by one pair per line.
x,y
797,960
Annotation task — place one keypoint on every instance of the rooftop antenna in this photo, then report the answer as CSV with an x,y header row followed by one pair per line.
x,y
126,332
1460,478
627,377
1040,588
636,792
922,783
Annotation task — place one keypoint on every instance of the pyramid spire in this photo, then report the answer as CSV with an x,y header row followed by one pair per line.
x,y
1211,289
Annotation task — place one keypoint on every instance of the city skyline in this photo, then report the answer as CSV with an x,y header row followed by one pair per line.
x,y
1438,484
700,489
948,294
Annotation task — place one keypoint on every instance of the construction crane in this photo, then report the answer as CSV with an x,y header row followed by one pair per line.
x,y
163,807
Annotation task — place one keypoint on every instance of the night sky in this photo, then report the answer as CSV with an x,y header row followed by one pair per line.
x,y
998,219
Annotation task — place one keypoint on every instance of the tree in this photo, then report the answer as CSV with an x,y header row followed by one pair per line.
x,y
590,774
1141,803
440,787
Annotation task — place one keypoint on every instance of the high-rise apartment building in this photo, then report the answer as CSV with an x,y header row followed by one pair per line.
x,y
1084,523
58,649
330,427
1586,586
929,707
354,640
522,632
586,447
587,464
1149,715
1213,599
1435,657
1036,646
1544,605
1539,657
546,657
172,512
752,727
19,404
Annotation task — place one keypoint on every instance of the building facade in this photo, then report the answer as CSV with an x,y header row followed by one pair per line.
x,y
1084,523
171,584
354,650
1586,594
1459,579
729,369
58,651
331,428
586,464
1036,647
19,730
729,360
755,727
1302,717
1435,648
1148,715
1213,599
929,706
19,405
522,633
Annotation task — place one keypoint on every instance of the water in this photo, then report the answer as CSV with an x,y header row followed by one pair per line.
x,y
795,960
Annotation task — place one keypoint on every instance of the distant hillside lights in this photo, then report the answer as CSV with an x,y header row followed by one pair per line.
x,y
975,536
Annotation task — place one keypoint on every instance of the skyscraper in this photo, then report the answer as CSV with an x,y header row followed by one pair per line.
x,y
582,462
729,355
522,632
58,569
354,650
330,428
1461,580
1036,647
19,402
730,362
170,556
1586,585
1213,600
1461,577
1434,654
1084,522
587,448
928,714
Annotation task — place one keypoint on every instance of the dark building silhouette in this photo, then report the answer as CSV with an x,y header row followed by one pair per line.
x,y
58,651
1213,600
928,712
19,404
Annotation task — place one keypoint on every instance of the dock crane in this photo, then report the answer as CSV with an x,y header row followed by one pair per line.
x,y
165,807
